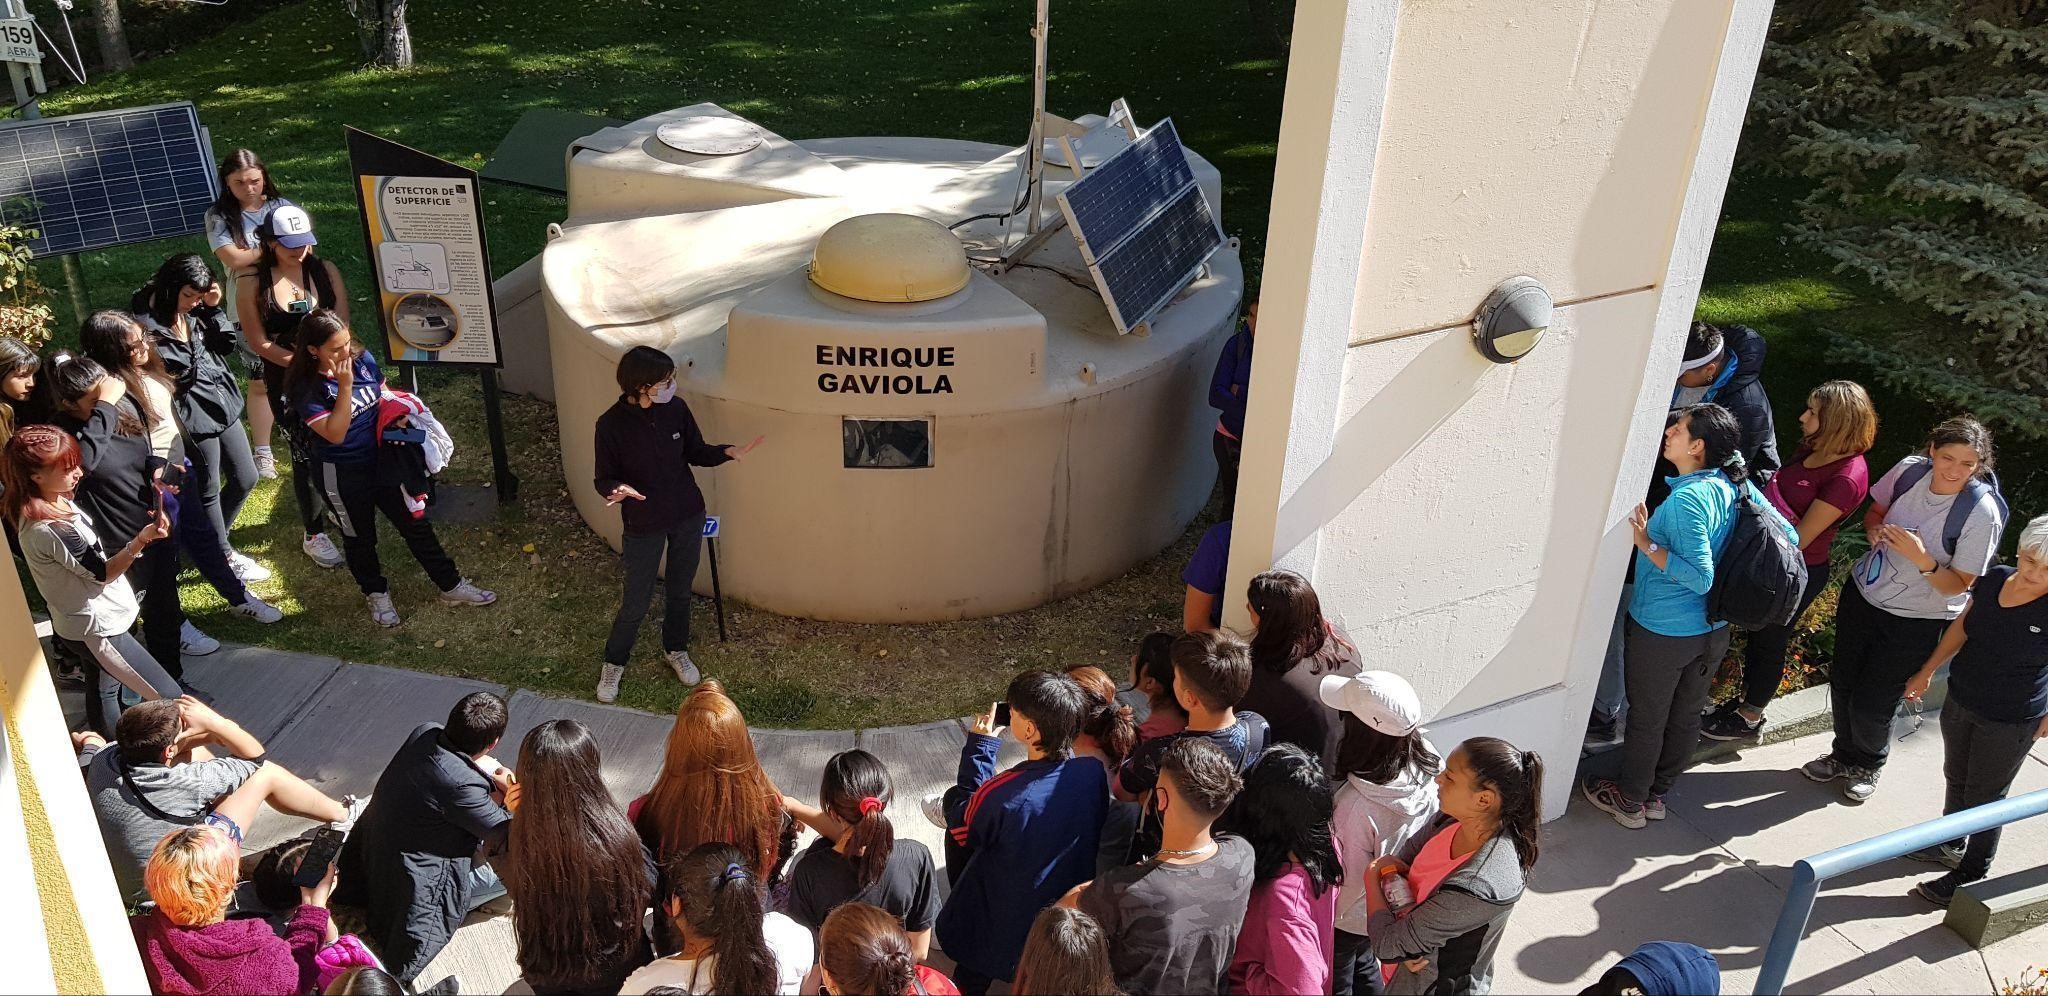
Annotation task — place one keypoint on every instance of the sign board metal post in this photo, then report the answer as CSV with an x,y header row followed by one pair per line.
x,y
423,232
717,593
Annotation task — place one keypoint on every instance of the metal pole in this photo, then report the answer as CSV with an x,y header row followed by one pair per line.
x,y
494,424
717,593
1039,29
1791,929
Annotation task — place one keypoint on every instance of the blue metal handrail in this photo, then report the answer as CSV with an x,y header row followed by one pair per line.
x,y
1808,874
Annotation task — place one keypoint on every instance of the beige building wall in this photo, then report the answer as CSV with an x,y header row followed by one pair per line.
x,y
1465,520
63,927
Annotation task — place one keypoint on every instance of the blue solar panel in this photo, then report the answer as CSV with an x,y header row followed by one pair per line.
x,y
89,181
1143,225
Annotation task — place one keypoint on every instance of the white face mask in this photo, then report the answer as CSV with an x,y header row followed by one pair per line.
x,y
665,393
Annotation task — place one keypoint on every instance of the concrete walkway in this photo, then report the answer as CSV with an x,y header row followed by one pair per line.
x,y
1715,873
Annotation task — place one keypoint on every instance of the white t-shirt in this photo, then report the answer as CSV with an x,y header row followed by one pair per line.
x,y
790,943
219,234
1890,582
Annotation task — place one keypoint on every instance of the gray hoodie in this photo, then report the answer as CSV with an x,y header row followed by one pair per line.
x,y
1372,821
1455,930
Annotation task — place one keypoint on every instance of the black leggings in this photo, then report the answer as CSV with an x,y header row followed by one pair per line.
x,y
303,492
1763,652
355,499
155,578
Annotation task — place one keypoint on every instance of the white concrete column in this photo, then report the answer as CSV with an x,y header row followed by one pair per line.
x,y
1315,239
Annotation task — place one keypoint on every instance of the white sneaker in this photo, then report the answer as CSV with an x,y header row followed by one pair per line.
x,y
257,609
266,465
686,669
608,681
465,593
246,568
934,807
193,643
321,549
381,611
355,806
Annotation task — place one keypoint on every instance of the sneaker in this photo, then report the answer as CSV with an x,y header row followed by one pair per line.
x,y
381,610
1606,796
686,669
934,806
465,593
608,681
1729,724
321,549
450,986
266,464
1939,891
246,569
355,806
193,643
257,609
1944,855
1602,733
70,675
1862,784
1654,809
1824,768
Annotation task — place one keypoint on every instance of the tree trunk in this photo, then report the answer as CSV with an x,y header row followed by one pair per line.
x,y
381,30
106,20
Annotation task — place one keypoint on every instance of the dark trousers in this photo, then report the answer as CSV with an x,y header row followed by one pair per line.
x,y
1876,653
640,556
1980,759
1669,678
106,697
355,499
207,549
1354,971
1763,653
223,473
1228,451
154,576
303,492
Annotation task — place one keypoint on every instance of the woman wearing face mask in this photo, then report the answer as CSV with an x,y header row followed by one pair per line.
x,y
334,387
178,308
1907,588
646,444
247,198
288,284
92,605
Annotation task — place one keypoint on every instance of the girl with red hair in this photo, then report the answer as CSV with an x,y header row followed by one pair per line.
x,y
92,606
188,944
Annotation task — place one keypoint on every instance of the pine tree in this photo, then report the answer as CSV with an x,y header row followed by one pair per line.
x,y
1924,127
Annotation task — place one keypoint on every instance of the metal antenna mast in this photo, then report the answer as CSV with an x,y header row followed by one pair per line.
x,y
1040,27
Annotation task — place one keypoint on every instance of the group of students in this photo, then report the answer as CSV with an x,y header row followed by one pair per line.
x,y
1206,848
120,455
1928,592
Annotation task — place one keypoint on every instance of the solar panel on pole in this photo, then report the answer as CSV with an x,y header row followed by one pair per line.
x,y
1143,224
90,181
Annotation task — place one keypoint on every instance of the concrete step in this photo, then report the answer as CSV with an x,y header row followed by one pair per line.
x,y
1984,913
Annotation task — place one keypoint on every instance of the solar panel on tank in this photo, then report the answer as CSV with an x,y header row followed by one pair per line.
x,y
1143,225
89,181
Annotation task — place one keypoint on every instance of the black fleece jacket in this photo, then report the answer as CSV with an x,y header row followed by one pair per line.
x,y
652,449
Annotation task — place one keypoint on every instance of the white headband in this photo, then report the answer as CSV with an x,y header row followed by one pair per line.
x,y
1689,366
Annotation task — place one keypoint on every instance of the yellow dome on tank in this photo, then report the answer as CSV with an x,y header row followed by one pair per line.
x,y
892,258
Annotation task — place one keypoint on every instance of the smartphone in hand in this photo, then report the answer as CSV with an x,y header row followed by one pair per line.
x,y
1001,712
313,866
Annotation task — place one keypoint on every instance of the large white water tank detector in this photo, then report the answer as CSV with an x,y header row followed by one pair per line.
x,y
941,442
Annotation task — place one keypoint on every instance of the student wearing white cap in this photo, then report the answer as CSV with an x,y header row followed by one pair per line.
x,y
1387,795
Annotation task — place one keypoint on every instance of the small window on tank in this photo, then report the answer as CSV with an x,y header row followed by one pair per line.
x,y
886,443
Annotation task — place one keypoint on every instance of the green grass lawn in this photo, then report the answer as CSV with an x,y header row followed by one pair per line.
x,y
287,81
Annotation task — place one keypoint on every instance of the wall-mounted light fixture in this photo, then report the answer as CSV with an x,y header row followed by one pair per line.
x,y
1513,319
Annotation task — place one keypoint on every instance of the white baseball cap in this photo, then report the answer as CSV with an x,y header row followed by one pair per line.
x,y
292,227
1382,700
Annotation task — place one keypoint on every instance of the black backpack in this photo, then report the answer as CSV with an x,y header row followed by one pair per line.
x,y
1759,573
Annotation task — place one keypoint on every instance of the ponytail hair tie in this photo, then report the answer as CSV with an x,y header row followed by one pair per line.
x,y
869,806
734,872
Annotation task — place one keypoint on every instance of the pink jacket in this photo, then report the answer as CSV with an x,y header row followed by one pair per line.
x,y
233,956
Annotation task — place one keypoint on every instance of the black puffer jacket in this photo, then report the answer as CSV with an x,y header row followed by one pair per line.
x,y
207,399
1741,391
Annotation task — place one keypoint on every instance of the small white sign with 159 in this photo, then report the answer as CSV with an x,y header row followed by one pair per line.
x,y
18,41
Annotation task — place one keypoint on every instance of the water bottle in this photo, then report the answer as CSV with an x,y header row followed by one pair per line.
x,y
1395,889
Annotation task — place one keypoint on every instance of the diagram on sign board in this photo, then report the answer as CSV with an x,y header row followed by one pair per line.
x,y
413,266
